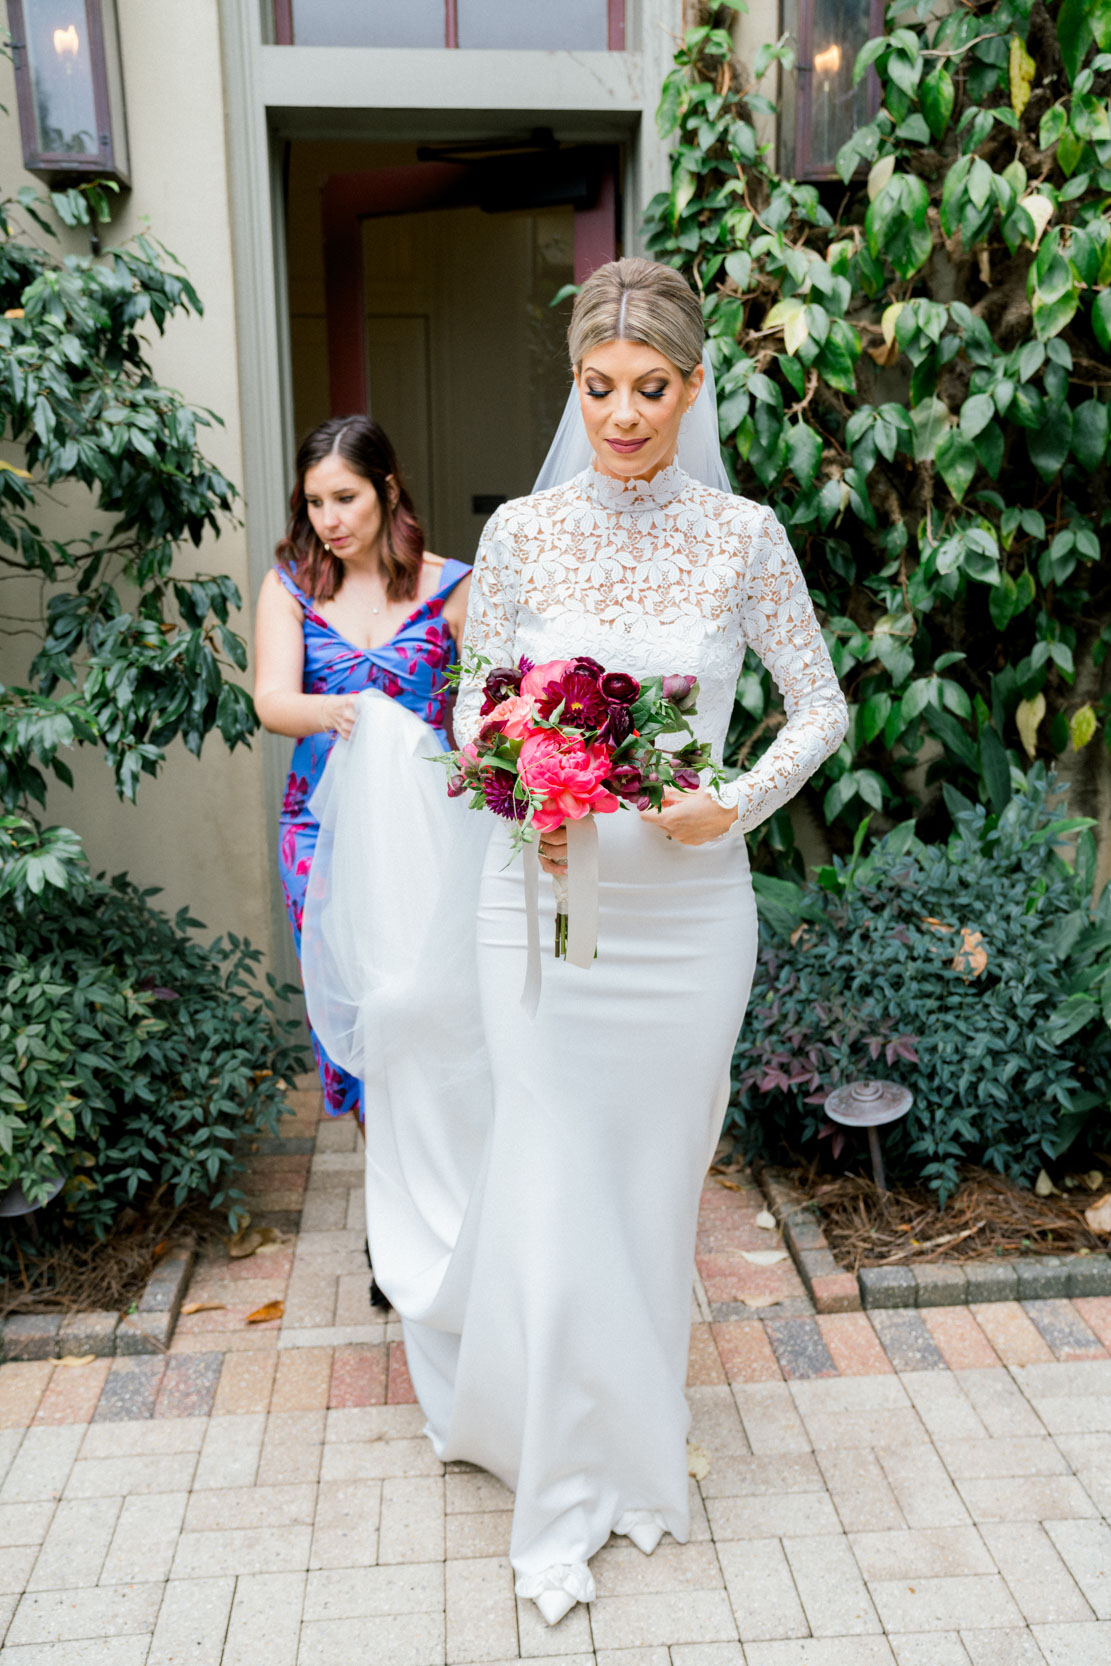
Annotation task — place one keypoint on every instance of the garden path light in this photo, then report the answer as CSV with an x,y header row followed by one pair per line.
x,y
869,1105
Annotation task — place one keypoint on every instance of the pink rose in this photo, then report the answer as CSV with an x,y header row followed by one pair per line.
x,y
541,675
569,774
515,716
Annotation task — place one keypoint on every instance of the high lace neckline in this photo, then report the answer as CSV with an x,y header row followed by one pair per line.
x,y
633,496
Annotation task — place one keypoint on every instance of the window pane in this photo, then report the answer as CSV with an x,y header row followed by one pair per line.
x,y
61,78
568,25
838,31
368,23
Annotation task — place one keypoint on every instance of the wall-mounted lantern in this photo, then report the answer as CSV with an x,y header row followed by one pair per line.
x,y
69,85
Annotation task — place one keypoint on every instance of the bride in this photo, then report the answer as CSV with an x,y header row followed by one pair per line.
x,y
533,1181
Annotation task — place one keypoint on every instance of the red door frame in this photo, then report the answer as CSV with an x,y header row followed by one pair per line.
x,y
349,199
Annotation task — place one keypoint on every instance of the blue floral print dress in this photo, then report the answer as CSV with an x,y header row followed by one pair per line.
x,y
410,667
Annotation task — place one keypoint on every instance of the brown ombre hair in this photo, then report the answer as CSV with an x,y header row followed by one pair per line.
x,y
366,449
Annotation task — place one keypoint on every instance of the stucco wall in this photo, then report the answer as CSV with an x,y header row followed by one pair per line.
x,y
198,830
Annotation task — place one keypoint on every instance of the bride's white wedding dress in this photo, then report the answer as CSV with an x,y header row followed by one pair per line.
x,y
533,1206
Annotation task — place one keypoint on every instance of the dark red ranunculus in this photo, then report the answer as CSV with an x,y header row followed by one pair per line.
x,y
626,781
457,786
618,725
615,685
500,683
583,704
497,789
583,662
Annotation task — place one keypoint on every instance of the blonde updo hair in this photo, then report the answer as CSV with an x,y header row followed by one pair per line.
x,y
636,300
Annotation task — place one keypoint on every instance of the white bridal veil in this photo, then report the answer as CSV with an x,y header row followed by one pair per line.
x,y
698,453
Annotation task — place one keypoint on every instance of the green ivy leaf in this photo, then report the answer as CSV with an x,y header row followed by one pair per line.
x,y
937,97
1002,599
929,421
956,462
1090,433
1074,34
1101,319
976,412
996,769
804,452
1048,444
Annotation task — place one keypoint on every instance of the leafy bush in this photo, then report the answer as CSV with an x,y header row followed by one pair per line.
x,y
131,653
132,1056
912,368
974,972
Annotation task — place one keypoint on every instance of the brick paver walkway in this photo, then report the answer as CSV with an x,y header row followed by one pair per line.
x,y
896,1489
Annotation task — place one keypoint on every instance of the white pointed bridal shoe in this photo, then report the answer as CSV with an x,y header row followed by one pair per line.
x,y
646,1535
553,1605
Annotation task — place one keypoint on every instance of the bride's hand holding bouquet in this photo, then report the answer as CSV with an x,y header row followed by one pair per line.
x,y
568,739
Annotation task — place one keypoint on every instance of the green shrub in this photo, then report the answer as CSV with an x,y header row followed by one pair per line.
x,y
874,969
132,1056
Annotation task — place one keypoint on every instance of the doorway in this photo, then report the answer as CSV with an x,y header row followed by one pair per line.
x,y
440,323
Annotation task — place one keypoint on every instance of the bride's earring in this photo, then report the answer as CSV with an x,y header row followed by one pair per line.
x,y
328,549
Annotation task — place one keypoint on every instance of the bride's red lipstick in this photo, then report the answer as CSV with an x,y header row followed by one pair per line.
x,y
626,446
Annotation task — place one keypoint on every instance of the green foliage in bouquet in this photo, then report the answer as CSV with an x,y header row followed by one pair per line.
x,y
130,655
132,1057
912,367
975,971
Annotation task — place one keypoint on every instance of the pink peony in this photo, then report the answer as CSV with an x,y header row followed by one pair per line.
x,y
569,774
515,716
541,675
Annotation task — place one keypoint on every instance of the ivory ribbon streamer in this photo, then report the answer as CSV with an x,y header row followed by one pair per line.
x,y
530,994
582,891
581,904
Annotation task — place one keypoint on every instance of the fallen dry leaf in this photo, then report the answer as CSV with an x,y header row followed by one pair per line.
x,y
730,1185
262,1315
764,1258
759,1301
1098,1216
698,1461
76,1359
971,958
767,1220
201,1307
276,1247
1044,1187
252,1239
1093,1179
160,1250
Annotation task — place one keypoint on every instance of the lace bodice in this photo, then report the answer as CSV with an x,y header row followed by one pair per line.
x,y
659,576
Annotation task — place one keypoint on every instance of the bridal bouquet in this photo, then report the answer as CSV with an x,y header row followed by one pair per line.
x,y
569,739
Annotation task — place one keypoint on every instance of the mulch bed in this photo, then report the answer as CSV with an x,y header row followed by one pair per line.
x,y
986,1217
105,1276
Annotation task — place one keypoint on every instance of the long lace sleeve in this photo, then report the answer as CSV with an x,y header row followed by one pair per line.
x,y
491,621
779,623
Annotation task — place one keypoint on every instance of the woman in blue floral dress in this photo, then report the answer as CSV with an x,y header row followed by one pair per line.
x,y
354,601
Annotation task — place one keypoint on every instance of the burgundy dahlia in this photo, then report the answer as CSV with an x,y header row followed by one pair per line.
x,y
615,685
497,790
584,707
